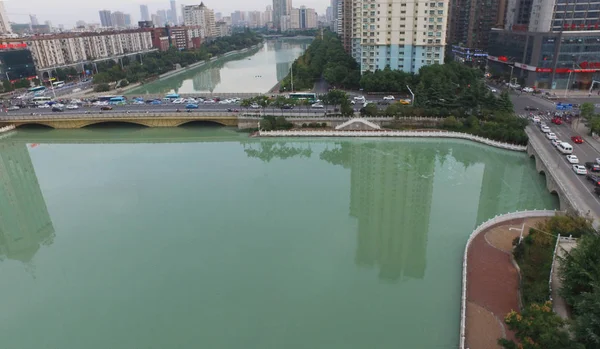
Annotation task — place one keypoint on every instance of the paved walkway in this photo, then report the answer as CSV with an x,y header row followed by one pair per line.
x,y
492,284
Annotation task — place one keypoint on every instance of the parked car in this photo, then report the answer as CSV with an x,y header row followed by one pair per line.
x,y
577,139
191,106
572,159
580,170
593,178
106,107
550,135
592,166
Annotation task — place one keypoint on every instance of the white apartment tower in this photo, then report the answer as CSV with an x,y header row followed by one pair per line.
x,y
202,17
401,34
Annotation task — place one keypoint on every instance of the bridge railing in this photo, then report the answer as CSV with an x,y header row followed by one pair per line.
x,y
383,133
485,225
541,154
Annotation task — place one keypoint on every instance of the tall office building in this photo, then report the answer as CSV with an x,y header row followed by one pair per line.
x,y
173,17
281,8
144,12
162,18
4,24
33,19
106,18
201,17
554,44
118,19
402,35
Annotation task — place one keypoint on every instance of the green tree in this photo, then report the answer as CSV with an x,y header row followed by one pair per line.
x,y
538,327
586,110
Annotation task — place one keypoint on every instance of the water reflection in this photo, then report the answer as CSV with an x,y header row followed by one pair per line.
x,y
25,223
388,185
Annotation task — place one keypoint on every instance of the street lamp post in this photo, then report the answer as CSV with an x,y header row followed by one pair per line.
x,y
412,102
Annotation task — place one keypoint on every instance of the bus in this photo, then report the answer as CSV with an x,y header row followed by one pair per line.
x,y
37,89
57,84
109,98
41,100
311,97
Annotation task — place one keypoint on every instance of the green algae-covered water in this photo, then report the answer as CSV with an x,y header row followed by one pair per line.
x,y
204,238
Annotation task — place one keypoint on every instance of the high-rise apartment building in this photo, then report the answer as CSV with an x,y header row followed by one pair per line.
x,y
173,13
4,24
105,18
202,18
281,8
471,21
33,19
144,12
303,18
118,19
404,35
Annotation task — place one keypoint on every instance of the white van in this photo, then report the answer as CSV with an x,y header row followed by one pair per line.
x,y
565,148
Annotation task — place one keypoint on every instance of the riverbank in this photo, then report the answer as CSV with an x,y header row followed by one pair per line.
x,y
490,278
387,133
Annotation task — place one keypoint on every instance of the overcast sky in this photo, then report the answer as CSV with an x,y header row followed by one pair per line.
x,y
68,12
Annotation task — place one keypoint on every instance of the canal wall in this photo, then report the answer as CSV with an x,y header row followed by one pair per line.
x,y
385,133
497,220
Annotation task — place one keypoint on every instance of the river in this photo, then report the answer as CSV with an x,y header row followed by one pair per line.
x,y
255,71
204,238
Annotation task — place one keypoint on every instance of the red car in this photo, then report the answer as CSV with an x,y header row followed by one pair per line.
x,y
557,121
577,139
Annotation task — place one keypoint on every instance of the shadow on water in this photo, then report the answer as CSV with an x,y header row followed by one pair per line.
x,y
201,124
111,125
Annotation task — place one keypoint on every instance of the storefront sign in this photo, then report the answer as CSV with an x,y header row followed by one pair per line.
x,y
525,66
7,46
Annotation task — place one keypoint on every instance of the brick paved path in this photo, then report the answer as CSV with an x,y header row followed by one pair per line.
x,y
492,284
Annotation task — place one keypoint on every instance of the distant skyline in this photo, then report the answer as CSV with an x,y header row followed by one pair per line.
x,y
68,12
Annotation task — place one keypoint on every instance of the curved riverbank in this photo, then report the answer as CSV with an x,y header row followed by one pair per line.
x,y
384,133
492,290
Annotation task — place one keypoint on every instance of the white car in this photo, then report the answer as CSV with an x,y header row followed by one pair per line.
x,y
527,89
72,106
551,135
388,98
179,101
573,159
317,105
545,129
580,170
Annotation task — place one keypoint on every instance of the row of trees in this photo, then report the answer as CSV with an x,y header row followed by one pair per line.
x,y
537,326
325,57
157,63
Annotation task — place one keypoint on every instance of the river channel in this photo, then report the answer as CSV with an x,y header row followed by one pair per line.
x,y
204,238
255,71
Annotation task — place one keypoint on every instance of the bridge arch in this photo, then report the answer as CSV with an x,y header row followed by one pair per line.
x,y
109,122
202,123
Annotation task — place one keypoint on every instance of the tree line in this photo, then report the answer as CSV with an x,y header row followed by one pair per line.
x,y
156,63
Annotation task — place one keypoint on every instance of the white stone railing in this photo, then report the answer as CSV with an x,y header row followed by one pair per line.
x,y
485,225
7,128
431,134
361,120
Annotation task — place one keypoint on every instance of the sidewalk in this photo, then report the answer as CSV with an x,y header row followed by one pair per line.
x,y
492,284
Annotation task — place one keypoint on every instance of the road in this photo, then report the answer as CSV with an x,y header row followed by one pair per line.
x,y
163,108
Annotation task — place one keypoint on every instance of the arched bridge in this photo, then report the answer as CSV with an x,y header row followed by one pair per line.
x,y
173,119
